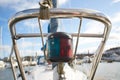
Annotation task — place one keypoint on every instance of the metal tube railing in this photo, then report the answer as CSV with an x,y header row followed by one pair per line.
x,y
19,60
11,62
18,36
59,13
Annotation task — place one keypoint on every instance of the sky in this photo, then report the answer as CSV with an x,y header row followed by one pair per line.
x,y
8,8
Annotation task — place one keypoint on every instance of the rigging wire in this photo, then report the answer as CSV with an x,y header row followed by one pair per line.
x,y
44,14
40,27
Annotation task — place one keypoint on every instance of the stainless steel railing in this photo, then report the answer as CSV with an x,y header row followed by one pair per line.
x,y
61,13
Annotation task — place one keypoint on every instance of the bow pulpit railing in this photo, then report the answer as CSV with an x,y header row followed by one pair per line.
x,y
60,37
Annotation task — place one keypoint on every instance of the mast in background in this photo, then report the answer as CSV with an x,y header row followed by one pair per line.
x,y
0,40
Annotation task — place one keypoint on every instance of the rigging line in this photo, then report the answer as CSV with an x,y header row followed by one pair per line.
x,y
40,27
44,6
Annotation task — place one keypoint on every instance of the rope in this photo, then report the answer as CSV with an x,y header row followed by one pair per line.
x,y
44,14
46,4
44,9
40,27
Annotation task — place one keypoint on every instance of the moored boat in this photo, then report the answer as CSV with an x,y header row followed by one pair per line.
x,y
2,64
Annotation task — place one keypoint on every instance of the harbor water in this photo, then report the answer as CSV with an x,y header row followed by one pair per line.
x,y
105,71
6,74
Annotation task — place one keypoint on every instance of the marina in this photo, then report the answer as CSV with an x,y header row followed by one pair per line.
x,y
111,72
2,64
49,42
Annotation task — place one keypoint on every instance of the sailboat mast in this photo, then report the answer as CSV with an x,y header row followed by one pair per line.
x,y
0,40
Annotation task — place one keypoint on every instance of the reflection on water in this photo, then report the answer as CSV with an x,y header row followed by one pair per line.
x,y
108,71
6,74
105,71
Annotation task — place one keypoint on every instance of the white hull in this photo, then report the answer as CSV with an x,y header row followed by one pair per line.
x,y
2,64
